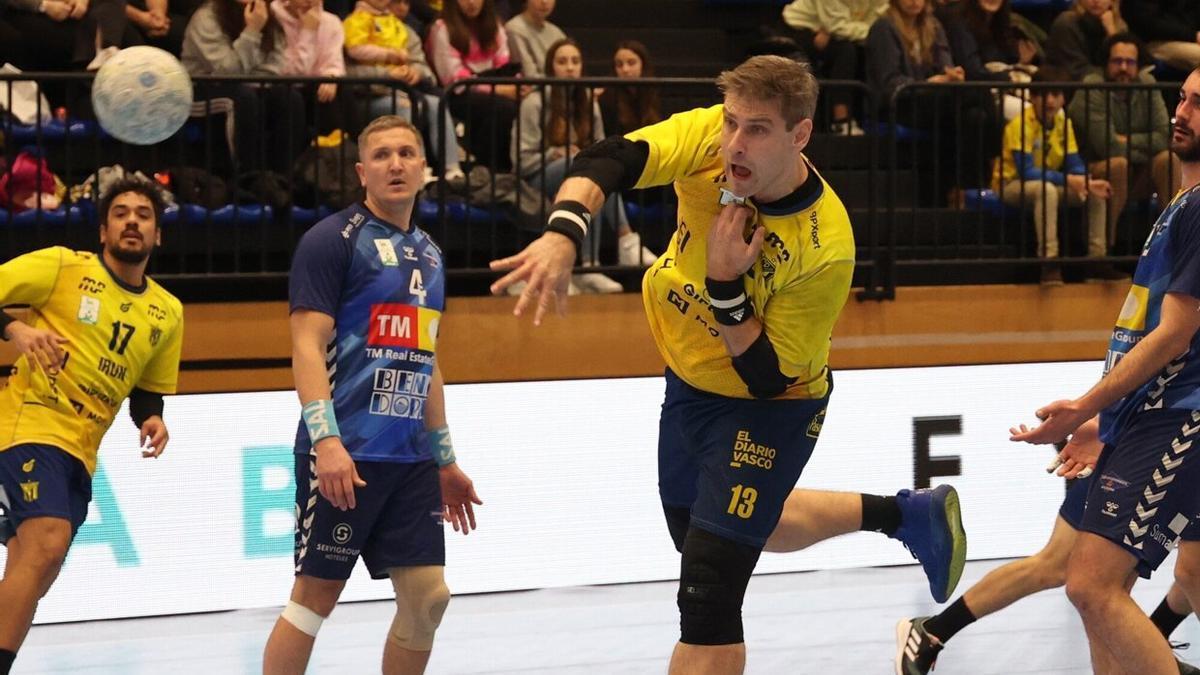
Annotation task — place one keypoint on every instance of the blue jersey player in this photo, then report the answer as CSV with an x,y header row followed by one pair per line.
x,y
1145,495
920,640
375,470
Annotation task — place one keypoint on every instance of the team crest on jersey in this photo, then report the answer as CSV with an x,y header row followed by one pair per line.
x,y
155,336
387,253
29,491
89,310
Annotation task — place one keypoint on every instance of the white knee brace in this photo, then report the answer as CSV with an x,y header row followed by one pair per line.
x,y
421,599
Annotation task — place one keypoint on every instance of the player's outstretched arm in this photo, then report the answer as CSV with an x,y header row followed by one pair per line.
x,y
1172,337
545,265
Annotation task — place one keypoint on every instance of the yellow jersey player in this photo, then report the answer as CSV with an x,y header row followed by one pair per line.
x,y
741,305
98,330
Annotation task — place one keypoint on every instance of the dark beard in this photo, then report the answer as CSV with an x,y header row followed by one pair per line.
x,y
130,257
1187,150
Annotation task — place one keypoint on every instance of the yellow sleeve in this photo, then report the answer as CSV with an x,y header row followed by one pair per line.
x,y
1072,147
161,374
30,278
1012,138
679,145
799,319
358,29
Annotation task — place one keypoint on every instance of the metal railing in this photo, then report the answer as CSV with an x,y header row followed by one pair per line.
x,y
918,186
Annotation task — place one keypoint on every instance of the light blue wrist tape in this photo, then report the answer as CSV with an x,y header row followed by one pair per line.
x,y
439,443
318,417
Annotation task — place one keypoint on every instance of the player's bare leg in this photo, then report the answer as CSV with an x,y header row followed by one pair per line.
x,y
1099,575
810,516
28,574
1187,578
708,659
1041,571
401,661
289,647
927,521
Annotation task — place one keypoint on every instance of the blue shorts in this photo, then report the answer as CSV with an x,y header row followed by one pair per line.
x,y
733,462
41,480
1075,501
396,521
1146,489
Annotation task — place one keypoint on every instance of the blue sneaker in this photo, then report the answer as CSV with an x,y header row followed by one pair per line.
x,y
931,529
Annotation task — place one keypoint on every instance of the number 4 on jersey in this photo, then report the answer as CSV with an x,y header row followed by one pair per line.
x,y
416,286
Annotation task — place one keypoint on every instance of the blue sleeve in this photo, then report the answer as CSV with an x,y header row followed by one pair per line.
x,y
1185,244
1074,164
1028,172
319,268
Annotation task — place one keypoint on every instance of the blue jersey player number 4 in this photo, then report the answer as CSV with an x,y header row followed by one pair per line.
x,y
376,474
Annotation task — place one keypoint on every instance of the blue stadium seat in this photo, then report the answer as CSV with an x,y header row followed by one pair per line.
x,y
307,217
58,131
456,212
903,133
74,215
230,214
653,212
54,130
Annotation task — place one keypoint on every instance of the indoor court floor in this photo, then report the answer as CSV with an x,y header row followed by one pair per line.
x,y
826,623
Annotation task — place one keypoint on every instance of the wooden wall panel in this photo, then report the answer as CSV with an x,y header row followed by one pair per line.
x,y
244,346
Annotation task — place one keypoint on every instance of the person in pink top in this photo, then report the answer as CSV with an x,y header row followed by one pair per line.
x,y
314,49
467,42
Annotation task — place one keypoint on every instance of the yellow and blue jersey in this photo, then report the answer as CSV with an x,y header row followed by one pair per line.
x,y
1169,263
1033,152
797,286
119,337
386,292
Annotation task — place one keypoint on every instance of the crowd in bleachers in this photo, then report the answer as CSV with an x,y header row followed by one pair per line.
x,y
1113,141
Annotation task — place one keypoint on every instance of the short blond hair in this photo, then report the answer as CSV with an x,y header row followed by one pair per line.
x,y
775,78
384,123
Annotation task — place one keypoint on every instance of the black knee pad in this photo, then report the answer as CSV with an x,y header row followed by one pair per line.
x,y
678,520
712,584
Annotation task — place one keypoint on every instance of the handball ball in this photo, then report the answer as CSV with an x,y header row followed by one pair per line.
x,y
142,95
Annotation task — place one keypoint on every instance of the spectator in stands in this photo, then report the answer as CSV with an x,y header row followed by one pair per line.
x,y
240,37
314,42
832,34
1126,134
906,45
160,23
381,44
530,35
467,42
625,109
1171,27
556,122
61,35
909,45
989,41
1040,167
1076,41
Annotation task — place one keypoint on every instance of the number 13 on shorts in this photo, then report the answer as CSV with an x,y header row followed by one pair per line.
x,y
741,503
